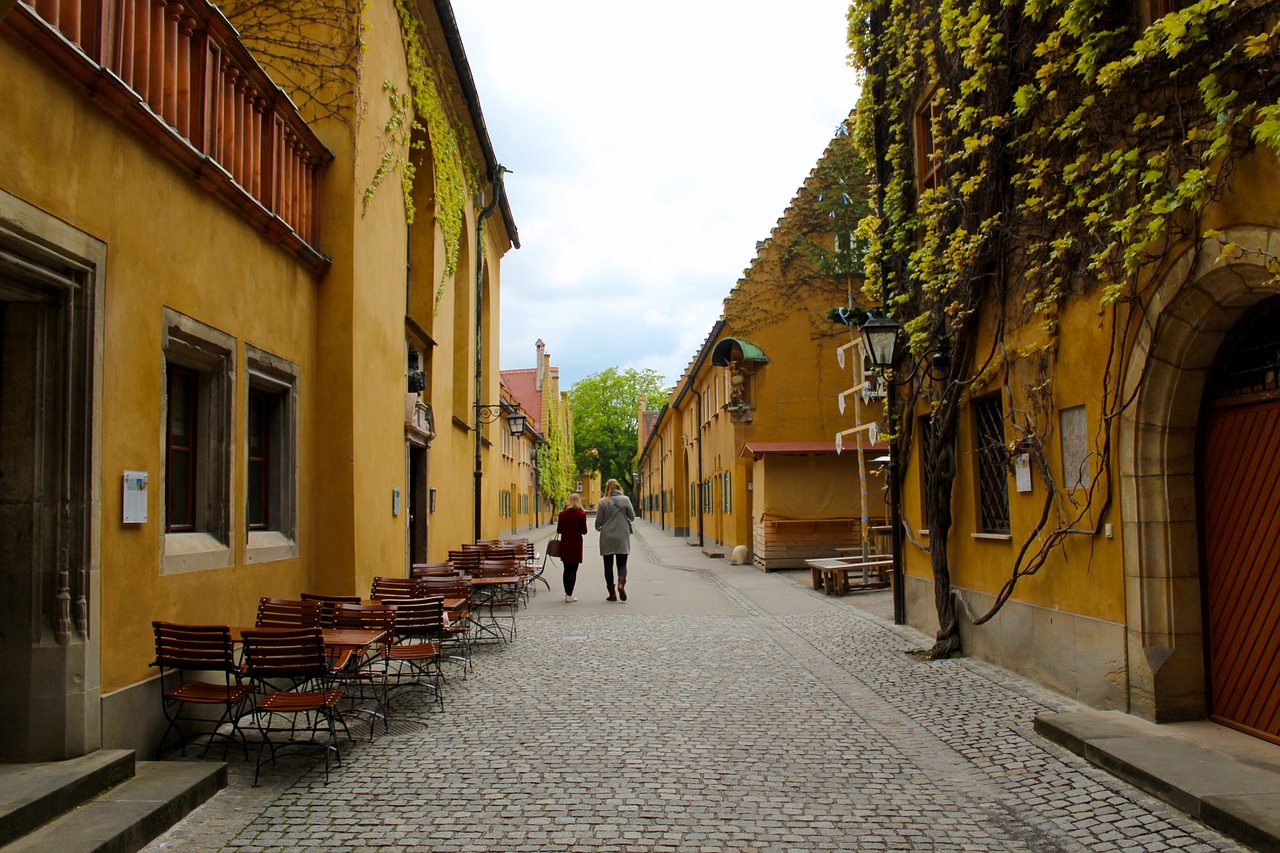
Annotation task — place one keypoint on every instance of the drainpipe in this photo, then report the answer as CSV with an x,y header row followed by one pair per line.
x,y
498,172
698,439
662,483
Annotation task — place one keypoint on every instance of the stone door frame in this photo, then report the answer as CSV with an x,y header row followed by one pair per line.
x,y
62,717
1187,316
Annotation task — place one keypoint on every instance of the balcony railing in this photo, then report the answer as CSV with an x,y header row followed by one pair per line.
x,y
176,71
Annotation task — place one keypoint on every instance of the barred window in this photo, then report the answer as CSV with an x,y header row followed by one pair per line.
x,y
993,475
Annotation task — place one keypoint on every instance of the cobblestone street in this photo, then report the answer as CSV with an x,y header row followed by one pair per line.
x,y
720,709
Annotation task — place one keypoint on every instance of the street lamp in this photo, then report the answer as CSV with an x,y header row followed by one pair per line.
x,y
880,339
487,414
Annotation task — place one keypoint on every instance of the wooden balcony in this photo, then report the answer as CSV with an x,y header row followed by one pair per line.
x,y
176,72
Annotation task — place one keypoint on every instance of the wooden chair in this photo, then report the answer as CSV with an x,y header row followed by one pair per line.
x,y
287,613
464,560
419,627
396,588
328,604
297,656
181,652
499,602
418,570
367,677
456,641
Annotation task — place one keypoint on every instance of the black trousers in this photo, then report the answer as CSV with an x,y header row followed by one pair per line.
x,y
570,577
608,567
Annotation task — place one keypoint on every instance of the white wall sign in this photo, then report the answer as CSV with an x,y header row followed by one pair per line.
x,y
135,497
1022,471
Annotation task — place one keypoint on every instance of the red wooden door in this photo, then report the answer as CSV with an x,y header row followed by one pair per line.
x,y
1240,499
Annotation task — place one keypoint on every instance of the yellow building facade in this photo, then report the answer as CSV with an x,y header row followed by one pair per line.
x,y
746,453
1113,517
239,392
549,448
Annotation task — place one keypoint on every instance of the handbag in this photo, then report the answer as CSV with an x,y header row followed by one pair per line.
x,y
553,547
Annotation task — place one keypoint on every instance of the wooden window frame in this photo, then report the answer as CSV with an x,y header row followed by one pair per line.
x,y
190,379
274,382
928,161
209,354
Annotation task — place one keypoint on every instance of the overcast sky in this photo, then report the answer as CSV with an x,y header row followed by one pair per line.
x,y
651,145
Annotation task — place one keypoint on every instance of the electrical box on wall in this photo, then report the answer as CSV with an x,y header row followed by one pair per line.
x,y
135,497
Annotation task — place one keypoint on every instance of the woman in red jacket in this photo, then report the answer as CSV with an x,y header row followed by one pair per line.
x,y
571,527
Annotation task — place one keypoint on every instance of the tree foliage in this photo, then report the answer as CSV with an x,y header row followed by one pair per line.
x,y
606,429
555,456
1079,146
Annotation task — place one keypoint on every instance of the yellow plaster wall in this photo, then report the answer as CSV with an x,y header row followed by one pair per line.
x,y
794,395
1087,576
172,244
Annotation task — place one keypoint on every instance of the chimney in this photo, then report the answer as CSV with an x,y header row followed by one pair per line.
x,y
538,376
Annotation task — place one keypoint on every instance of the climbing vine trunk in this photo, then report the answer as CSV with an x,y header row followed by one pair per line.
x,y
939,479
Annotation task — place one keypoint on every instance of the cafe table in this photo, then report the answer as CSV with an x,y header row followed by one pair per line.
x,y
485,592
342,644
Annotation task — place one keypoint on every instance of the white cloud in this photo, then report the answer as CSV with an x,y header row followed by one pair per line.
x,y
651,147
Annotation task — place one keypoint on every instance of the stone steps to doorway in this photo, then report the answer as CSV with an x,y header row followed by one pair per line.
x,y
101,802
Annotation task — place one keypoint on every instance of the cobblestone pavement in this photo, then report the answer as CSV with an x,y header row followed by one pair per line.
x,y
720,709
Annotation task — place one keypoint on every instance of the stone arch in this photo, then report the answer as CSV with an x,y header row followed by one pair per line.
x,y
1190,311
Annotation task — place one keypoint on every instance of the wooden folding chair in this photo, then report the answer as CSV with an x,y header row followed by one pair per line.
x,y
182,651
298,656
287,613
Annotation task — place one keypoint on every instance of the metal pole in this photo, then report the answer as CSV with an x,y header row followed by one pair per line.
x,y
895,509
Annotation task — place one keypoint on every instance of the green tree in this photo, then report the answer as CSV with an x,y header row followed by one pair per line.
x,y
606,428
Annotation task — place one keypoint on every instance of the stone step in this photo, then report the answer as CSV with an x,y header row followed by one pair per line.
x,y
126,817
34,794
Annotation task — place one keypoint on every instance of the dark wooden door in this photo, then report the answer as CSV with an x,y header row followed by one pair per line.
x,y
1240,499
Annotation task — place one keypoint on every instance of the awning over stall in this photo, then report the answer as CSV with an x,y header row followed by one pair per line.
x,y
731,350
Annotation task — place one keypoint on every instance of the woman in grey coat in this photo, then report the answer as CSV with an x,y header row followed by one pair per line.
x,y
613,519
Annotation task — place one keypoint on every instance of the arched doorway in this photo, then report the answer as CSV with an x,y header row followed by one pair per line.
x,y
1239,496
1187,318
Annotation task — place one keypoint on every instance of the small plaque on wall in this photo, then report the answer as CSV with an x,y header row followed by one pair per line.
x,y
1022,471
135,497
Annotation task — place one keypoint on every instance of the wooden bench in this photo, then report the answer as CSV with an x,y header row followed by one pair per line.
x,y
832,574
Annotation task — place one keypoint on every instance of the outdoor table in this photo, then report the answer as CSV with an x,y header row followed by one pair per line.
x,y
342,643
484,591
831,575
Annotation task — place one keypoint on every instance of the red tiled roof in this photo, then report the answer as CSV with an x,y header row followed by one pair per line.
x,y
522,384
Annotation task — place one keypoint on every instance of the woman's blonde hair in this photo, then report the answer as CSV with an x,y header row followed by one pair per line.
x,y
610,486
574,501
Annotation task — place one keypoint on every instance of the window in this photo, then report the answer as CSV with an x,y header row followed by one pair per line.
x,y
693,499
258,491
993,475
1073,427
728,500
199,380
183,386
928,158
1159,8
271,459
